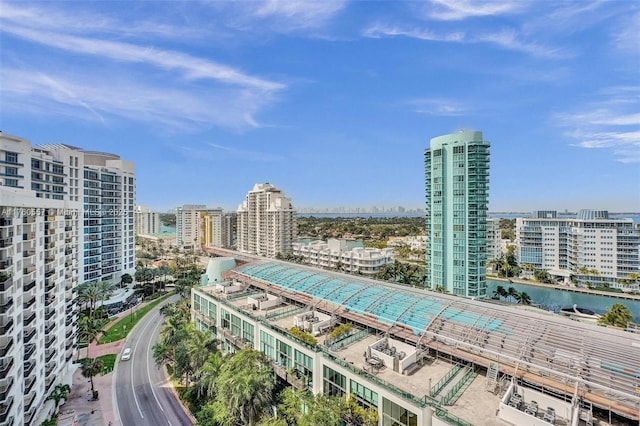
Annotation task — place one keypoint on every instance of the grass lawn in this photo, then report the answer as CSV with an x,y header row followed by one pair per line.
x,y
108,361
121,329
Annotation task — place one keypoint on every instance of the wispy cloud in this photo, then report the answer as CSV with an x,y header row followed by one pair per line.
x,y
506,39
280,16
145,83
48,18
379,30
613,123
91,98
191,67
437,107
456,10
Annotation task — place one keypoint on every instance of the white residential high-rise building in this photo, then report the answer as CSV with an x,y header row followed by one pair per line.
x,y
589,248
267,222
494,238
62,209
147,221
188,229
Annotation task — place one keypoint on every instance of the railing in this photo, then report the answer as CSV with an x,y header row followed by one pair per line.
x,y
454,393
4,328
347,339
7,347
5,367
437,388
274,316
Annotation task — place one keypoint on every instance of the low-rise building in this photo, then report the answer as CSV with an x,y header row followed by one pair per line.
x,y
344,255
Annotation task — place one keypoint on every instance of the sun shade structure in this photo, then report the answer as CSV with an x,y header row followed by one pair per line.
x,y
598,364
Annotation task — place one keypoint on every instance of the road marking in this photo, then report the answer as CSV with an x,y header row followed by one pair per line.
x,y
149,373
135,398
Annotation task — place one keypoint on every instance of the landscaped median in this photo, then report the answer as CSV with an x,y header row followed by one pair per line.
x,y
123,326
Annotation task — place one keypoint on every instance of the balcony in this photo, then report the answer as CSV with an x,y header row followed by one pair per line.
x,y
5,281
29,303
29,286
6,242
5,367
49,285
50,326
6,326
5,305
5,264
29,415
5,408
29,269
49,340
28,319
5,387
28,236
28,400
28,253
28,335
49,353
4,350
5,222
29,349
29,367
28,383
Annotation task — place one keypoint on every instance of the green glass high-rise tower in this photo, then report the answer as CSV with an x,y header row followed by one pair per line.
x,y
457,183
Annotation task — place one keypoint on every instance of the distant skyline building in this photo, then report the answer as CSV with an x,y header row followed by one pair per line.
x,y
456,183
590,248
66,217
147,221
267,222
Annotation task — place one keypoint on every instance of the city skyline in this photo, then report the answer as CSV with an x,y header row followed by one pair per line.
x,y
334,102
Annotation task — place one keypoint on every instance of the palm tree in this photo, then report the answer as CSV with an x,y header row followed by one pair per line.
x,y
512,293
91,368
163,354
199,346
245,385
500,292
525,299
618,315
207,377
89,328
60,392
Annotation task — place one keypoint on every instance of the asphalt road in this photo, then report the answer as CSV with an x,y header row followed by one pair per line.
x,y
142,394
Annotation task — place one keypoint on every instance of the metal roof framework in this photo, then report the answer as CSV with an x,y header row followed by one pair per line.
x,y
599,364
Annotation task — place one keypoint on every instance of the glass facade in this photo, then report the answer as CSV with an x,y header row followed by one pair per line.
x,y
267,345
456,186
396,415
365,396
334,383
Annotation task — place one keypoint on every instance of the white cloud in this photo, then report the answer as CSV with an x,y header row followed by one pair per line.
x,y
612,123
192,67
456,10
89,97
438,107
379,30
507,39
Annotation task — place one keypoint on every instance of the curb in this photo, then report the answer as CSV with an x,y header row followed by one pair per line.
x,y
175,394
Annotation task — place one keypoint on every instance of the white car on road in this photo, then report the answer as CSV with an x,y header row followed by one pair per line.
x,y
126,354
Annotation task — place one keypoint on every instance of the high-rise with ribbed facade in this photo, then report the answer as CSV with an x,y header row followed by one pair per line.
x,y
456,183
45,252
267,222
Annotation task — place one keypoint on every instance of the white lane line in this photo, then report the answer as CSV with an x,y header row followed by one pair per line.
x,y
149,373
135,398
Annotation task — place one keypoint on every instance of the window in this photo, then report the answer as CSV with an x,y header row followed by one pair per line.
x,y
394,414
334,382
283,356
11,182
304,367
267,345
11,157
365,396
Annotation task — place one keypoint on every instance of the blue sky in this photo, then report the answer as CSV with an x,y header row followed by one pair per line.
x,y
334,102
